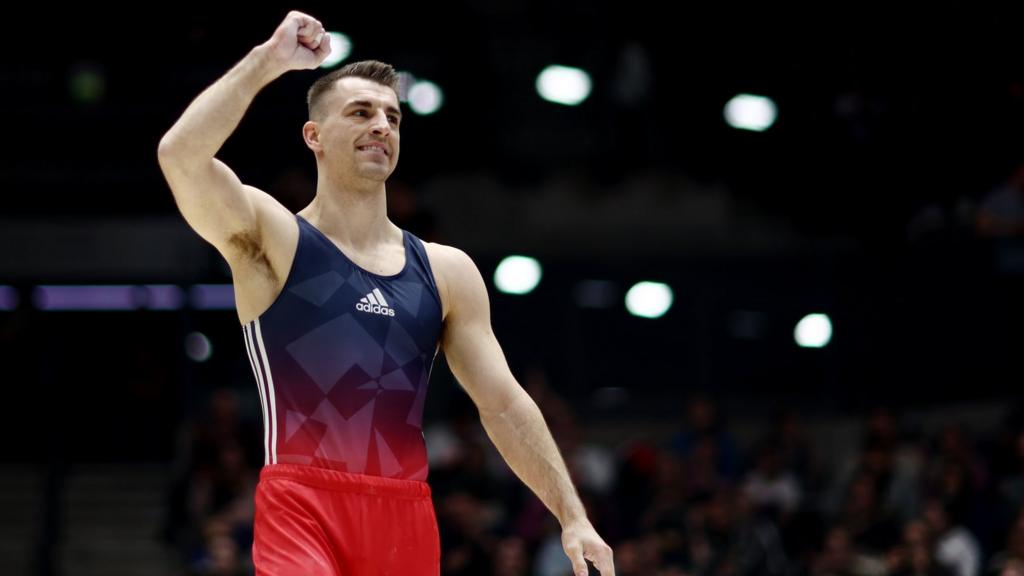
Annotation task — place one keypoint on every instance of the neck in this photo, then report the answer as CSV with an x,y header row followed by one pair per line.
x,y
354,213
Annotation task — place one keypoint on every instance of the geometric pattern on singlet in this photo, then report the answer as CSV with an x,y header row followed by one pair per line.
x,y
342,361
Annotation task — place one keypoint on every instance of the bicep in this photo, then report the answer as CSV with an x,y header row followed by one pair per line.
x,y
469,343
217,205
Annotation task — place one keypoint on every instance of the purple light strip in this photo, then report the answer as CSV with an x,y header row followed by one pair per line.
x,y
212,297
164,297
8,298
85,297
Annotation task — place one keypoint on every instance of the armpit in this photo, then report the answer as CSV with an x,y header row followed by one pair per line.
x,y
249,250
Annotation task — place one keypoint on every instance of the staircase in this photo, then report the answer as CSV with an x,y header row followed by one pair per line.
x,y
111,519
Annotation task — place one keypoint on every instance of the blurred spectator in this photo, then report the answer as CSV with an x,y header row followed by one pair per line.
x,y
893,465
511,557
667,513
638,557
634,491
1011,557
914,556
218,476
551,559
955,547
867,524
770,487
957,476
223,426
706,446
465,543
1010,486
836,557
220,555
1012,568
225,490
795,454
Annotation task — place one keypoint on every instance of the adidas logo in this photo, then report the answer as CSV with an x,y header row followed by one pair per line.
x,y
374,303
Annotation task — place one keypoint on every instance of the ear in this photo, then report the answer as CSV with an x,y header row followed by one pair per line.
x,y
311,134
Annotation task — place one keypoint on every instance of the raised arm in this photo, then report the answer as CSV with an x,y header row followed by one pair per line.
x,y
210,196
510,417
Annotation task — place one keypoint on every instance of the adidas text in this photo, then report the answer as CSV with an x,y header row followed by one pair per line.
x,y
375,309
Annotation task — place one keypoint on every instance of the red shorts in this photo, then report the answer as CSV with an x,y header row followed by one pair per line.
x,y
313,521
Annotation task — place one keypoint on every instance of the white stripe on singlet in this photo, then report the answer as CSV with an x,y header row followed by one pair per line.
x,y
250,348
270,388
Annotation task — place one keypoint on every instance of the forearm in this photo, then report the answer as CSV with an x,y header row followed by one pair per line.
x,y
522,437
215,114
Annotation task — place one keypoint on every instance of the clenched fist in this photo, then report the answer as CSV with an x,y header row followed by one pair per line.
x,y
299,43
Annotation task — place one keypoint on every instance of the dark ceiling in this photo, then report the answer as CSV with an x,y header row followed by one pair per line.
x,y
882,109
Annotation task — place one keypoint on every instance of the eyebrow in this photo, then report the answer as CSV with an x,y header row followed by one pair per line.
x,y
368,104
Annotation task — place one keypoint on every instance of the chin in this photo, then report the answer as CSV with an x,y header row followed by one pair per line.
x,y
379,173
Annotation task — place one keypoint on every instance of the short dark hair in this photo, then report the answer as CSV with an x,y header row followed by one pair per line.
x,y
379,72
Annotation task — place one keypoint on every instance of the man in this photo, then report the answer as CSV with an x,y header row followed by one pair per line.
x,y
342,314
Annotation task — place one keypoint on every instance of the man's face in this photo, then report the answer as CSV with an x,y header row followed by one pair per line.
x,y
359,128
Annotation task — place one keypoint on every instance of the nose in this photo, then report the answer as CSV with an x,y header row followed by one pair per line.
x,y
380,124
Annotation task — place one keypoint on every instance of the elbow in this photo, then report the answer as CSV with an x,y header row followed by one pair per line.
x,y
176,157
513,402
167,150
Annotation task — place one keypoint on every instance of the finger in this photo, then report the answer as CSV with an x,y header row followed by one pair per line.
x,y
311,42
299,20
579,565
324,48
308,30
602,559
605,565
313,36
300,16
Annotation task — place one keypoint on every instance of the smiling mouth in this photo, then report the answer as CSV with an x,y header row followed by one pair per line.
x,y
376,149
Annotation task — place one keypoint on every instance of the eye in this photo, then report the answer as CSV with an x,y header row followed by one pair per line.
x,y
360,113
393,119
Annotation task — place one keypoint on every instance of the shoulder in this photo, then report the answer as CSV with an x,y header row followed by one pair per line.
x,y
448,258
456,274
